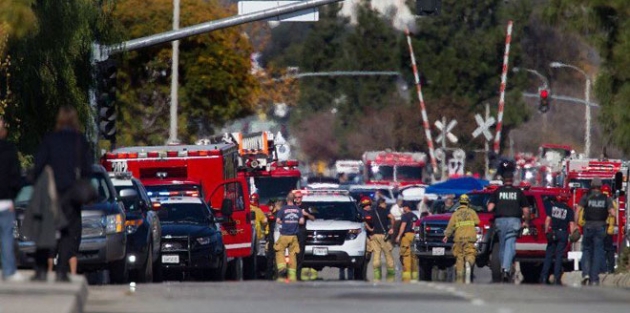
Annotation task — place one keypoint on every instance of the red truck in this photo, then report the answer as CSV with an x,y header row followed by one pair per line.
x,y
530,249
206,171
393,168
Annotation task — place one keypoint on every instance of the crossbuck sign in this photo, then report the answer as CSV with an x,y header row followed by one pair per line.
x,y
445,131
484,127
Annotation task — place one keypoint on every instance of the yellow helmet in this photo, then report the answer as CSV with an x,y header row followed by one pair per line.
x,y
464,199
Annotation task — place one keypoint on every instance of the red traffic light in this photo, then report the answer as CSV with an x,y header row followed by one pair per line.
x,y
544,93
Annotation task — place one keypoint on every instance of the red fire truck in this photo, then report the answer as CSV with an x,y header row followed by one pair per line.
x,y
577,176
393,168
207,171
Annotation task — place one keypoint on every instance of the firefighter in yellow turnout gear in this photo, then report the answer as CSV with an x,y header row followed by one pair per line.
x,y
381,225
289,217
405,237
462,226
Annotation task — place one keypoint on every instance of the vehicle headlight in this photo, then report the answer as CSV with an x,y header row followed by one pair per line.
x,y
203,241
353,234
528,175
113,224
132,225
479,232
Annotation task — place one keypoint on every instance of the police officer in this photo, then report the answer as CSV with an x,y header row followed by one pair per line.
x,y
405,239
597,207
511,211
303,233
382,221
462,224
289,217
558,225
608,265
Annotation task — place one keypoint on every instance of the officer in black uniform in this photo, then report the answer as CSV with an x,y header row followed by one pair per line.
x,y
302,233
558,225
511,211
597,206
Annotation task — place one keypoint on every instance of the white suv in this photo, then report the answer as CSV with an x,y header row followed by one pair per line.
x,y
337,236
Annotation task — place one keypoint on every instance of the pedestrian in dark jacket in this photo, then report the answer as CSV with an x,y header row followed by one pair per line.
x,y
67,152
9,187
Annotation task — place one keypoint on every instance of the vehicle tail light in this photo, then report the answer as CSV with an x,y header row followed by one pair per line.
x,y
171,154
153,154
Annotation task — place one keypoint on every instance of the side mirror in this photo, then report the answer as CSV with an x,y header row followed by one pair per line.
x,y
220,219
128,194
227,207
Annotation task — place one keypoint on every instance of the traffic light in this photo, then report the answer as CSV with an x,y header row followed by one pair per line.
x,y
106,99
543,106
428,7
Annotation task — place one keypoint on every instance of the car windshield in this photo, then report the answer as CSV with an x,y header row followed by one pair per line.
x,y
195,213
166,190
131,205
408,173
24,195
272,188
357,194
586,183
338,211
478,202
381,172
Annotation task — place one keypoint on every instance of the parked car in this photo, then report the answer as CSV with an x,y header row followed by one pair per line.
x,y
192,242
389,192
144,233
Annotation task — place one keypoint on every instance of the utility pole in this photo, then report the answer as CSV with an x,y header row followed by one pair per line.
x,y
172,138
486,147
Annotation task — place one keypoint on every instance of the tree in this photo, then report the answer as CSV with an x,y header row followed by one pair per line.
x,y
606,24
51,66
215,80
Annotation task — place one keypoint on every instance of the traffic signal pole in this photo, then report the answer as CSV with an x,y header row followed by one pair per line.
x,y
103,52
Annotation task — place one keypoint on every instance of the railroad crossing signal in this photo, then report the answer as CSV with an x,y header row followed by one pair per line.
x,y
445,131
455,167
484,127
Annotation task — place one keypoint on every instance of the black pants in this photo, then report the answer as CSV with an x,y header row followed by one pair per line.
x,y
302,234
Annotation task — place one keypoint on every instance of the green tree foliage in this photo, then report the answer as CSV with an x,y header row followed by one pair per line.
x,y
51,66
606,24
16,17
215,80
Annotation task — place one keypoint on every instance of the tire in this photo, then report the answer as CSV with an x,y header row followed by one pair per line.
x,y
218,274
360,272
495,263
145,274
530,272
425,271
250,266
158,272
235,269
118,272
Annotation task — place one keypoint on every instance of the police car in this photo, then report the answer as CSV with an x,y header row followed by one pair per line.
x,y
191,239
337,236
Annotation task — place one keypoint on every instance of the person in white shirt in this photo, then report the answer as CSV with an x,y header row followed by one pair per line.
x,y
397,211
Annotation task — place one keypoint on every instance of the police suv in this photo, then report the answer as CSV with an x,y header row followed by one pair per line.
x,y
337,236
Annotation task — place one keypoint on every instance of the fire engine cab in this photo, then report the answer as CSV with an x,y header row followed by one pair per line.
x,y
393,168
205,171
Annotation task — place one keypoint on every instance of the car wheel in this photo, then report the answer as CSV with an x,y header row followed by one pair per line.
x,y
218,274
360,271
235,269
118,272
158,272
250,266
425,271
495,263
145,273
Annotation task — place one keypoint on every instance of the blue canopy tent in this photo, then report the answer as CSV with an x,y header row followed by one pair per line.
x,y
457,186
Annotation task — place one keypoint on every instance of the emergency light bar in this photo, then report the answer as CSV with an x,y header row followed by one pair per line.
x,y
181,193
325,192
121,175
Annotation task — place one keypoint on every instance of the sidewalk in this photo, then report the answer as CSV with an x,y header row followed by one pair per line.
x,y
30,297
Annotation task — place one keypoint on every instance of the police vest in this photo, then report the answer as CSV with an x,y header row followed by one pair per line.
x,y
596,208
508,202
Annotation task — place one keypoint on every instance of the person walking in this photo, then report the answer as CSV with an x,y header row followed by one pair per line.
x,y
289,217
397,211
608,264
383,221
303,232
559,223
67,152
9,187
511,211
597,207
405,239
461,225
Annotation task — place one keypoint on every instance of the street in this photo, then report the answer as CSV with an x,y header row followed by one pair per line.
x,y
329,296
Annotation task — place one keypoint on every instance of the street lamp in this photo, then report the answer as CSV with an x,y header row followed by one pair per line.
x,y
587,98
529,70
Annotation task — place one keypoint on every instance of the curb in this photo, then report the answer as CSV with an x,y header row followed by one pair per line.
x,y
26,297
608,280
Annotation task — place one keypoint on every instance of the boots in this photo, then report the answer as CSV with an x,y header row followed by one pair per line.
x,y
468,273
41,275
292,274
377,274
391,275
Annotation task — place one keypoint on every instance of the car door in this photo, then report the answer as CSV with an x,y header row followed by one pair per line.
x,y
152,218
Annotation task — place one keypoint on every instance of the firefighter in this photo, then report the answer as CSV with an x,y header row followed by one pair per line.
x,y
462,225
366,213
405,239
512,213
597,207
261,220
274,207
382,222
289,218
608,264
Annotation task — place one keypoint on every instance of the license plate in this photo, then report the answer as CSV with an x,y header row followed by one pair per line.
x,y
170,259
320,251
437,251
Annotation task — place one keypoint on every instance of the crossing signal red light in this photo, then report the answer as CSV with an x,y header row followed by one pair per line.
x,y
544,93
543,106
